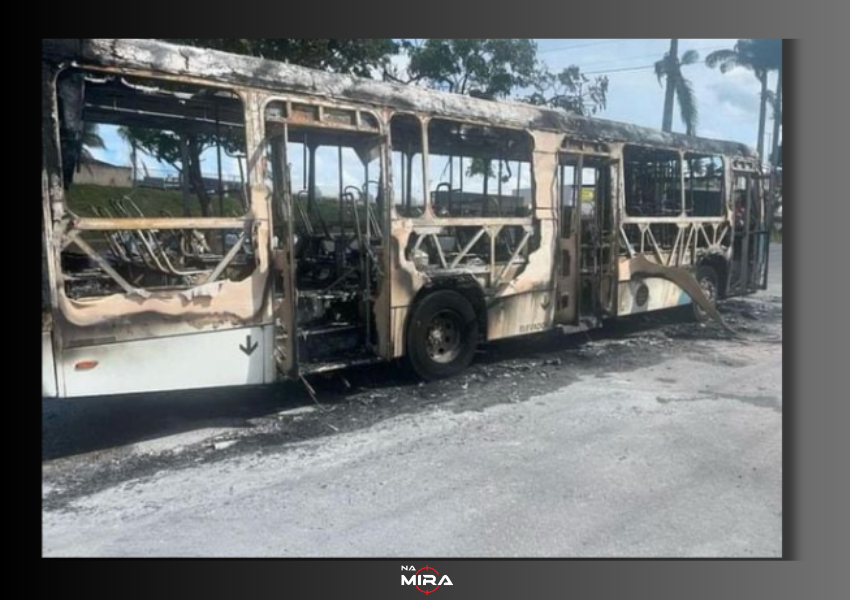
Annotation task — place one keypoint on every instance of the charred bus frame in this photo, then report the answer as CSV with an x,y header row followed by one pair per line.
x,y
569,221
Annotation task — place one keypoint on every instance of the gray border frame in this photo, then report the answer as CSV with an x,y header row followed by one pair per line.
x,y
815,348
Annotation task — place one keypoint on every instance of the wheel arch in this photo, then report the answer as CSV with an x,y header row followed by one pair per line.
x,y
467,286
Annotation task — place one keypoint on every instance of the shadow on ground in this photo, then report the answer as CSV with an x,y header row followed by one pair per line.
x,y
83,425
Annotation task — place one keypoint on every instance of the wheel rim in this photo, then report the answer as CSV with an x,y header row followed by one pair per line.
x,y
443,341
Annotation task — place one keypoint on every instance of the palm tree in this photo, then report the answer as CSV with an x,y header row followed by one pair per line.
x,y
759,56
91,139
670,68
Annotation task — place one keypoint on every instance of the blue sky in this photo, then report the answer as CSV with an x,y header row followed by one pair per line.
x,y
728,103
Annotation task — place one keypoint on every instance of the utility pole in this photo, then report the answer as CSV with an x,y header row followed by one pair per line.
x,y
184,176
777,121
762,75
673,55
133,158
775,179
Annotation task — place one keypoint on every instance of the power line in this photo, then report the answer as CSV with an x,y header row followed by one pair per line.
x,y
652,66
579,46
618,70
624,59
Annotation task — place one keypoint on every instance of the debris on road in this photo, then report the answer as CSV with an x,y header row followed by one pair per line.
x,y
223,445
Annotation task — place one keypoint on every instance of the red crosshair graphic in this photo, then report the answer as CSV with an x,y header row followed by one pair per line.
x,y
426,567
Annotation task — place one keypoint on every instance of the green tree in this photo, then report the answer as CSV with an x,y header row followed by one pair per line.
x,y
355,56
669,68
498,68
759,56
183,152
569,90
481,67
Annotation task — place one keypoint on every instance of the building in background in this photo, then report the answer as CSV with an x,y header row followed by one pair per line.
x,y
97,172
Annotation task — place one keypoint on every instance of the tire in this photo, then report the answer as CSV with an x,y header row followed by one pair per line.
x,y
707,279
441,335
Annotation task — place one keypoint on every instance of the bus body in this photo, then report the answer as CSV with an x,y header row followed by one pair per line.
x,y
371,221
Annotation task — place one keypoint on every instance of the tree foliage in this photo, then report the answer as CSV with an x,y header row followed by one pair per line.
x,y
183,152
355,56
91,138
498,68
485,67
759,56
569,90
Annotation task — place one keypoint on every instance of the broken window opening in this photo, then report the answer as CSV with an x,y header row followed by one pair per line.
x,y
585,182
583,192
149,261
569,194
408,166
495,254
704,185
653,184
140,149
179,148
478,171
747,188
336,185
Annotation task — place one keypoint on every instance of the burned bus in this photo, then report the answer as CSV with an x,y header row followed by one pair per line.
x,y
359,221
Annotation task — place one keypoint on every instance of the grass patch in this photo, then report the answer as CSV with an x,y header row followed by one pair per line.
x,y
83,198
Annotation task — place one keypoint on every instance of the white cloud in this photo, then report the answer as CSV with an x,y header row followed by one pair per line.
x,y
728,102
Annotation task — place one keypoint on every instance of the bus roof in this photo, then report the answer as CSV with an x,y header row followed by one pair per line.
x,y
238,70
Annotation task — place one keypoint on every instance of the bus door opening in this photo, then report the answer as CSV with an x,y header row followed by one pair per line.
x,y
332,213
586,227
750,250
569,238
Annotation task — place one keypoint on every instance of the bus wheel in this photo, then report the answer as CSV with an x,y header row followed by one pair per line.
x,y
441,336
707,279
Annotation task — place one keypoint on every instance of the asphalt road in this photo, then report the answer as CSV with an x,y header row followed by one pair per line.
x,y
659,439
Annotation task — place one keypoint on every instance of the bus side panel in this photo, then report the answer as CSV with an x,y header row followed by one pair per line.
x,y
657,295
520,314
49,389
221,358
